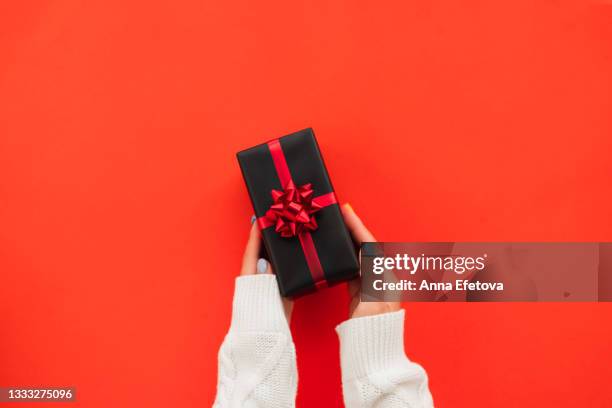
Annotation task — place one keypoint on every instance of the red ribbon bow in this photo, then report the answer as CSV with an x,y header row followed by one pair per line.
x,y
293,210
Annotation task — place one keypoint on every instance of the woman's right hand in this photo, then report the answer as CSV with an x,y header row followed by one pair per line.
x,y
361,234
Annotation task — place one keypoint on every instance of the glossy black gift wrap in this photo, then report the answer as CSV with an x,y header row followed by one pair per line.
x,y
332,241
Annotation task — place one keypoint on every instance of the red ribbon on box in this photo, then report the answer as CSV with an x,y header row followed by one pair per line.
x,y
293,212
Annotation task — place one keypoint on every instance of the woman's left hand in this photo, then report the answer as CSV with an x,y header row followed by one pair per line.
x,y
253,264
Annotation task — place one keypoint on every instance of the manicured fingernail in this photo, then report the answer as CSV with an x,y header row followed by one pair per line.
x,y
253,218
262,265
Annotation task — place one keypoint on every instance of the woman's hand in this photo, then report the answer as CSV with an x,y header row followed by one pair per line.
x,y
252,263
361,234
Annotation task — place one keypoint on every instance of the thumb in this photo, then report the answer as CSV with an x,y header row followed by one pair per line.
x,y
359,231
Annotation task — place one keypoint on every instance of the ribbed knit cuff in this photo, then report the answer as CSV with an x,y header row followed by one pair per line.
x,y
371,344
258,305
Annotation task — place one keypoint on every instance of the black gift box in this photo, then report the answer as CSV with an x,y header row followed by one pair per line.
x,y
303,230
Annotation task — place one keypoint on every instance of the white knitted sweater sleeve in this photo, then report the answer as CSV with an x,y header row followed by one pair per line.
x,y
257,365
375,369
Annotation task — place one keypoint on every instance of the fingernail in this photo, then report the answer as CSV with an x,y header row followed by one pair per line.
x,y
253,218
262,265
348,207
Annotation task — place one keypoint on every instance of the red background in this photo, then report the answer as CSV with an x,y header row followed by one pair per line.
x,y
123,214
